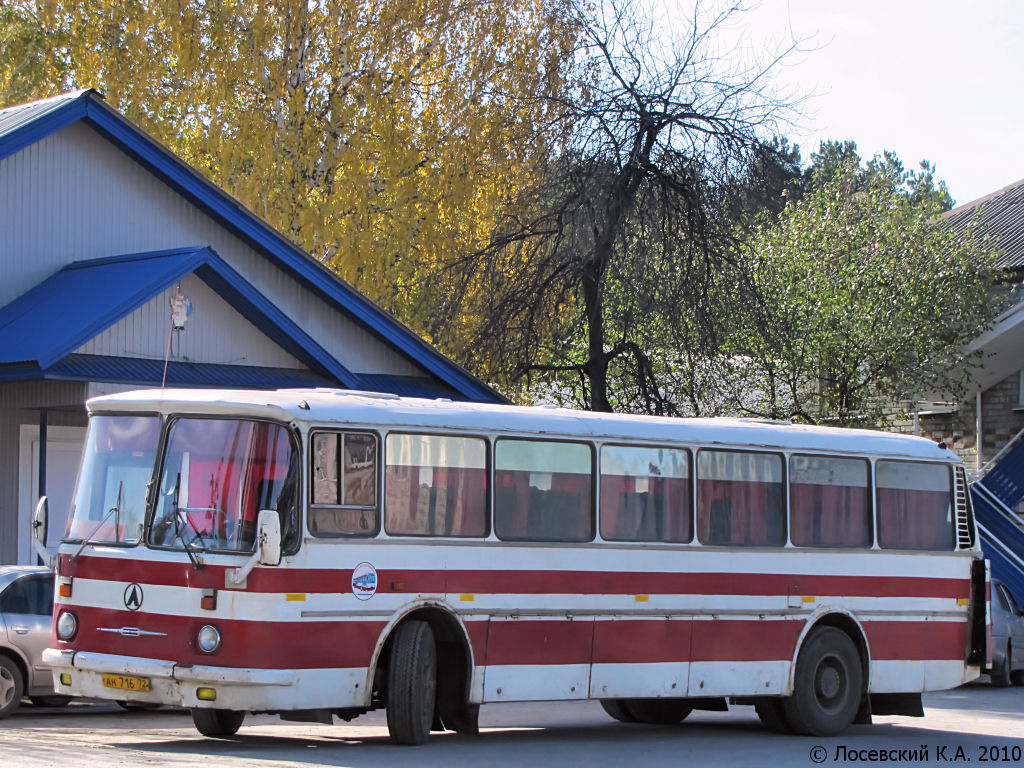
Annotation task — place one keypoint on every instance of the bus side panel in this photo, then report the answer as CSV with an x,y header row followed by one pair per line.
x,y
742,657
537,659
477,629
640,657
913,655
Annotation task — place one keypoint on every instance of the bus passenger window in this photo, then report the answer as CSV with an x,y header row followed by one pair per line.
x,y
740,499
435,486
343,486
915,508
829,502
543,491
645,494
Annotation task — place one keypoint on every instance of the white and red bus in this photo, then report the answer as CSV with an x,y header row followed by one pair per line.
x,y
322,553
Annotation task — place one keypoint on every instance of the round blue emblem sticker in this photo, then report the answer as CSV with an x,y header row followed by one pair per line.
x,y
364,581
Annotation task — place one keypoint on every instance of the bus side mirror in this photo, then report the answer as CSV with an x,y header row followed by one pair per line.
x,y
268,549
268,537
40,525
40,521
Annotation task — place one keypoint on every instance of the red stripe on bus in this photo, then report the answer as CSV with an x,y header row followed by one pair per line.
x,y
556,641
744,640
483,581
642,640
916,640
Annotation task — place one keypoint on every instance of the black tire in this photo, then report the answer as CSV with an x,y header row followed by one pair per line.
x,y
217,723
772,717
828,685
12,687
658,711
616,708
1000,676
56,700
1017,678
412,683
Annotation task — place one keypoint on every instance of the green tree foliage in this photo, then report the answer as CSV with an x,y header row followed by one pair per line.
x,y
842,157
381,136
622,249
868,298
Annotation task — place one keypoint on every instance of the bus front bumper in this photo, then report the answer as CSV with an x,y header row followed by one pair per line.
x,y
130,678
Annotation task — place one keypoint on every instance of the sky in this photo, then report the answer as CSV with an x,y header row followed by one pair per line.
x,y
941,80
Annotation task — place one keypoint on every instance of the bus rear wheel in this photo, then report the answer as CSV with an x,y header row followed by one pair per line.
x,y
217,722
616,709
658,711
412,683
828,684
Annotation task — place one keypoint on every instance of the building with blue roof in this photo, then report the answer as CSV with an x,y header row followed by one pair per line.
x,y
121,266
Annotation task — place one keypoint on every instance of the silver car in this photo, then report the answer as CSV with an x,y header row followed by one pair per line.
x,y
1007,637
26,613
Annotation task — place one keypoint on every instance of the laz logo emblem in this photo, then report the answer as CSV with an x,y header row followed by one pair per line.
x,y
133,597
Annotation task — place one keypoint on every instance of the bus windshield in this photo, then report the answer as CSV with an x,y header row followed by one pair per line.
x,y
217,475
110,499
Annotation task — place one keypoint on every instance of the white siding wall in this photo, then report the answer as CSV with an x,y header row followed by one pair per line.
x,y
75,196
214,333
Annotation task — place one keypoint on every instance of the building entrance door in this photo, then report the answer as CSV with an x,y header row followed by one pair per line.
x,y
63,452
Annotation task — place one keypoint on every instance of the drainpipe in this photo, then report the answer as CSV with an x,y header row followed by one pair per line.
x,y
977,428
42,460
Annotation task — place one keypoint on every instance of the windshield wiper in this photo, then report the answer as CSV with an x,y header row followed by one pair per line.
x,y
114,510
180,514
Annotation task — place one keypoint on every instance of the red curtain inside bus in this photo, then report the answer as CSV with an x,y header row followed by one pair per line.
x,y
217,475
914,506
829,516
229,489
435,501
740,499
829,502
657,510
550,506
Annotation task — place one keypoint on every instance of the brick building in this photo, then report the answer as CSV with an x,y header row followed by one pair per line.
x,y
994,406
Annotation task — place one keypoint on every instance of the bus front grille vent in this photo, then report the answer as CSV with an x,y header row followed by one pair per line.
x,y
964,523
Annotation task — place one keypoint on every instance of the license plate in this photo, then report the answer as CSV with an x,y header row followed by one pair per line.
x,y
127,683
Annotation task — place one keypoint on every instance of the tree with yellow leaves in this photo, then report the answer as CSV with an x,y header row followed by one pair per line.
x,y
384,137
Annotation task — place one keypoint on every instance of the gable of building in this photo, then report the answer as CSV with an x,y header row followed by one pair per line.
x,y
79,182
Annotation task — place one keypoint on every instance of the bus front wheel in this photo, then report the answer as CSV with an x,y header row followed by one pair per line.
x,y
828,684
412,683
217,722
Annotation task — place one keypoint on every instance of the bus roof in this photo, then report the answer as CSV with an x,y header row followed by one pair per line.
x,y
351,407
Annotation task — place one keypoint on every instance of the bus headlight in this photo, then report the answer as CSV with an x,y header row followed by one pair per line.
x,y
208,639
67,625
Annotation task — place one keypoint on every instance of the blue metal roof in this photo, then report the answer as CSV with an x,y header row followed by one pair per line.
x,y
76,303
24,125
405,386
40,330
149,373
131,370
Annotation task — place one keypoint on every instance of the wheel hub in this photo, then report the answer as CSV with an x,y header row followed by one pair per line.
x,y
830,683
6,688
